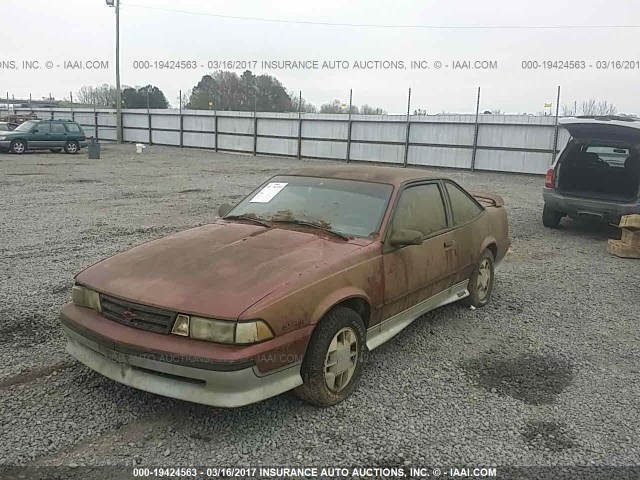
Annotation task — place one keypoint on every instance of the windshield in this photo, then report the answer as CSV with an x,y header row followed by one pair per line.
x,y
26,126
346,206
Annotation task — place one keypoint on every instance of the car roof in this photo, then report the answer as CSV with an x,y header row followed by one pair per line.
x,y
368,173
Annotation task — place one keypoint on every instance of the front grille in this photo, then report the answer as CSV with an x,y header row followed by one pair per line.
x,y
137,316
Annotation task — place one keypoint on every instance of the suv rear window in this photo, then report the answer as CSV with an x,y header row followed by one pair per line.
x,y
73,127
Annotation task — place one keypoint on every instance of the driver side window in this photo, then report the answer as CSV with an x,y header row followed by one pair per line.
x,y
421,208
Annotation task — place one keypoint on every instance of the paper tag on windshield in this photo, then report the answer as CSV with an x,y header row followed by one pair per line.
x,y
268,192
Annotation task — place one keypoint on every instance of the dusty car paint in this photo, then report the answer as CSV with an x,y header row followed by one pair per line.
x,y
288,276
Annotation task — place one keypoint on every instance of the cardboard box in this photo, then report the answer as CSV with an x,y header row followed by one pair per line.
x,y
630,237
619,249
630,222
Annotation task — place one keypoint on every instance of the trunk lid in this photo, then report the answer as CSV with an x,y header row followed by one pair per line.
x,y
609,128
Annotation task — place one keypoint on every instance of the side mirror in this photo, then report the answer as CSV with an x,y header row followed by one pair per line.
x,y
35,130
403,236
224,209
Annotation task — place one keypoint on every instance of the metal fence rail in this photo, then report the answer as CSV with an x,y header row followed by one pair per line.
x,y
514,143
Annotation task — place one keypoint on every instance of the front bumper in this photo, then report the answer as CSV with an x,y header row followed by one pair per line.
x,y
186,377
578,207
5,144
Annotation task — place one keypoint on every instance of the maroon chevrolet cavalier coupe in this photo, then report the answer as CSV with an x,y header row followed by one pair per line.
x,y
289,288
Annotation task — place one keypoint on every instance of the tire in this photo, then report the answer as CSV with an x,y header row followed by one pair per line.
x,y
481,281
55,150
18,147
347,328
71,147
550,217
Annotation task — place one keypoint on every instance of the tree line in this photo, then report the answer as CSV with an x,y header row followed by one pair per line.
x,y
224,90
221,90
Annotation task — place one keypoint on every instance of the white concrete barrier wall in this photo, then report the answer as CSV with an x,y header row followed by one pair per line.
x,y
140,121
510,161
166,138
372,152
319,129
138,136
440,157
201,140
442,134
235,142
235,125
277,146
278,128
379,132
514,136
513,143
171,122
200,124
324,149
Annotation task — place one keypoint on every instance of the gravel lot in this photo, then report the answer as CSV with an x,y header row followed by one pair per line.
x,y
547,374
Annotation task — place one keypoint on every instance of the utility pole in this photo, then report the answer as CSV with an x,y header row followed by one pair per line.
x,y
116,4
118,91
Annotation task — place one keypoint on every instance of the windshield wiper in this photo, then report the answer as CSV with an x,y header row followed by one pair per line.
x,y
314,225
249,218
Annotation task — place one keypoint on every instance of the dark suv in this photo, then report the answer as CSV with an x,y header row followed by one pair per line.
x,y
598,173
54,135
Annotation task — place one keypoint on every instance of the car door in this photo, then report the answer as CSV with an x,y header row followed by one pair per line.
x,y
58,135
416,273
40,136
468,229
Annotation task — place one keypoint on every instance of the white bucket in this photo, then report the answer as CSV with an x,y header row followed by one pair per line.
x,y
140,147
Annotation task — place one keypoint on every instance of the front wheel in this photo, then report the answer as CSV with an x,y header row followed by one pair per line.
x,y
481,281
18,147
332,366
71,147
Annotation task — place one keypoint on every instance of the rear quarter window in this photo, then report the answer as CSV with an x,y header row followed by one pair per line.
x,y
463,207
73,128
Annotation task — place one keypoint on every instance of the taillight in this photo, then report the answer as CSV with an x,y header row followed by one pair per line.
x,y
548,181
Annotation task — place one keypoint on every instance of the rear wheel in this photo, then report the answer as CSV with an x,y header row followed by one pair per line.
x,y
481,281
550,217
18,147
71,147
56,150
332,365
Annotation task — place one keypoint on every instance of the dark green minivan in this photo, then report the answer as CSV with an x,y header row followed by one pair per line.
x,y
54,135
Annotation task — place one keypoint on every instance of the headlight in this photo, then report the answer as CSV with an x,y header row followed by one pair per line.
x,y
85,297
222,331
217,331
2,137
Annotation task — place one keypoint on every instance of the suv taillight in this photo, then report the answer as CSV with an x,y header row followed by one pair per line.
x,y
548,182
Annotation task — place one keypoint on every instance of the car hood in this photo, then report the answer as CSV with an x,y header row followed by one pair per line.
x,y
603,128
216,270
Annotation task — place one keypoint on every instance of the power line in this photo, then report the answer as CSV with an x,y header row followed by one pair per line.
x,y
376,25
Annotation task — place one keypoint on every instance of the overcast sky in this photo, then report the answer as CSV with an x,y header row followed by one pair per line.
x,y
85,29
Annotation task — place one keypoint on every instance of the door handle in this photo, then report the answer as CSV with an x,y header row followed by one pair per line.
x,y
449,244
